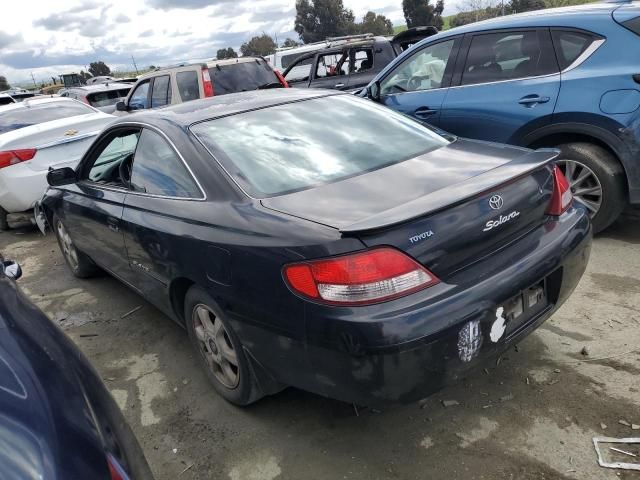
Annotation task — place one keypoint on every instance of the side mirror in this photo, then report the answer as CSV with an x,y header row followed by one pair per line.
x,y
12,270
121,106
373,91
61,176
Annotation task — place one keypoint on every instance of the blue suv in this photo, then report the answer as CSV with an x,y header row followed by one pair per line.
x,y
567,78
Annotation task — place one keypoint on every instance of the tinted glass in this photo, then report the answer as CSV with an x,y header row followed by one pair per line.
x,y
298,145
633,25
241,77
104,99
505,56
422,71
158,169
116,150
188,85
6,100
569,46
161,93
139,98
14,119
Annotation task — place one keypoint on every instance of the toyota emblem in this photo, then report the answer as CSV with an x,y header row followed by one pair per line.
x,y
496,202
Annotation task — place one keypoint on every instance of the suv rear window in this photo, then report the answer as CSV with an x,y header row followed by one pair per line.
x,y
105,99
296,146
242,76
25,117
570,45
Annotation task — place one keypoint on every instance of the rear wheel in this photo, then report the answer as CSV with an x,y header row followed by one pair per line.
x,y
219,350
596,179
79,263
4,225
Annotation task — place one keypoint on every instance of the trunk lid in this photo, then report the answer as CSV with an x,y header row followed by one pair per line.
x,y
446,209
407,38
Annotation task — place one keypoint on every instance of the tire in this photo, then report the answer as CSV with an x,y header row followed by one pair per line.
x,y
606,173
206,326
4,225
79,263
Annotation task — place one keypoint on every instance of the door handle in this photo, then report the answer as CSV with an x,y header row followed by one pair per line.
x,y
531,100
423,112
338,85
112,224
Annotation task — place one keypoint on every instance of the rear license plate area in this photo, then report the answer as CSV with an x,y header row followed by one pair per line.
x,y
525,306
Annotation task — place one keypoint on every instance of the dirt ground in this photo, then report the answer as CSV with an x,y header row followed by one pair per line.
x,y
532,416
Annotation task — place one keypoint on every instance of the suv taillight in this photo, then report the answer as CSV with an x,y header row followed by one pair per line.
x,y
561,197
361,278
281,78
206,82
11,157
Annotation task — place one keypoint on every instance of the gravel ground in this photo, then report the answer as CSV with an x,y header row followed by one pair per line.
x,y
532,416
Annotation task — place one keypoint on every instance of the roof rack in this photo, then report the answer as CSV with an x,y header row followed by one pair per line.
x,y
329,41
361,36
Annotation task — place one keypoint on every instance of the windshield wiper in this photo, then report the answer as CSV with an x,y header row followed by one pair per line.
x,y
270,85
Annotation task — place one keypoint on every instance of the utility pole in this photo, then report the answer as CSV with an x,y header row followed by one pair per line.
x,y
34,81
134,64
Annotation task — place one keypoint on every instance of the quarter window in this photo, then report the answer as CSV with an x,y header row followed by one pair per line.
x,y
140,96
570,45
505,56
188,85
161,93
157,169
422,71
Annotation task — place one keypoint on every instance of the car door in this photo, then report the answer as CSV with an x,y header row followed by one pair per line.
x,y
161,189
92,208
161,93
139,97
418,85
330,70
505,82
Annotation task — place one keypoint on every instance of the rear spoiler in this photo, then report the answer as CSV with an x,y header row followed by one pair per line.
x,y
464,191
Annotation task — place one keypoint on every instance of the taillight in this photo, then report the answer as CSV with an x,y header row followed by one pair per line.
x,y
562,197
361,278
115,469
281,78
11,157
206,82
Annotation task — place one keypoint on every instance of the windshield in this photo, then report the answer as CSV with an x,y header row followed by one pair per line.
x,y
104,99
13,119
299,145
242,76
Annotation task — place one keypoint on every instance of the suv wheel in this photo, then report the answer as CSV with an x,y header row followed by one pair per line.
x,y
596,179
219,350
4,225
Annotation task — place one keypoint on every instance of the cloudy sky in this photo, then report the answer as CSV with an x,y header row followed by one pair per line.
x,y
52,37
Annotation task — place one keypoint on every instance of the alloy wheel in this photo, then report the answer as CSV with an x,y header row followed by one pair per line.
x,y
584,183
216,346
68,249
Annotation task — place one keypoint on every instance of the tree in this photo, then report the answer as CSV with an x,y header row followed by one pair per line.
x,y
289,43
261,46
376,24
99,68
319,19
4,84
518,6
421,12
84,75
226,53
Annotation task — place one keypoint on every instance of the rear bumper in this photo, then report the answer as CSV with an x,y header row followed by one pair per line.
x,y
406,349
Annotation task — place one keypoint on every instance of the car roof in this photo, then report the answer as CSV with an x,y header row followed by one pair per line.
x,y
208,63
548,17
40,100
101,87
187,113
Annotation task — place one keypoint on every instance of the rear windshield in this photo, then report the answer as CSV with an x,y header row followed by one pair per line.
x,y
6,100
299,145
105,99
242,76
14,119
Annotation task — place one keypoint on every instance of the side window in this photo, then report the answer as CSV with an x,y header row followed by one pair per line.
x,y
118,149
331,65
188,86
422,71
570,45
157,169
362,60
505,56
139,97
300,71
161,93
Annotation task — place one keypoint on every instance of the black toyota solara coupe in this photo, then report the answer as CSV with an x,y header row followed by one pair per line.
x,y
319,240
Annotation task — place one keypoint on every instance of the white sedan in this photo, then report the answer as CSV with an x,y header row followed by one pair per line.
x,y
37,134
